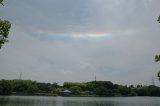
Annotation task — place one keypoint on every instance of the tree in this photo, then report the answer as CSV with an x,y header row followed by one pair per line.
x,y
124,90
157,57
32,89
75,90
102,91
4,29
5,87
1,2
158,19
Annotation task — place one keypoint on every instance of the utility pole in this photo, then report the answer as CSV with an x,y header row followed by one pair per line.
x,y
153,82
20,76
95,77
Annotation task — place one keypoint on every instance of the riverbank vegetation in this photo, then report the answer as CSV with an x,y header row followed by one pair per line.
x,y
94,88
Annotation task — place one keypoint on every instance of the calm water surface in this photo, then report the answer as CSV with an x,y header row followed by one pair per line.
x,y
78,101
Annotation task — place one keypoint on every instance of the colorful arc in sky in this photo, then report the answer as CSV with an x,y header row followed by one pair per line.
x,y
90,35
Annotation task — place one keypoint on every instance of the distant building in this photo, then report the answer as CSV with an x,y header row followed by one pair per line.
x,y
66,93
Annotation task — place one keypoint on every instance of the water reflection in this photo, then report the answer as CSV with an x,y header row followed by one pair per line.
x,y
26,101
87,104
77,101
4,101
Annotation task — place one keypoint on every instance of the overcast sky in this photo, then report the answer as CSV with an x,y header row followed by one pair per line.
x,y
74,40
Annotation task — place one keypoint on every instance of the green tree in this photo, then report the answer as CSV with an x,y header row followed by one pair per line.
x,y
75,90
32,89
157,57
4,29
102,91
158,19
124,90
5,87
1,2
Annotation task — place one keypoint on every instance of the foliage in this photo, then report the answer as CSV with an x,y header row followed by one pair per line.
x,y
1,2
133,93
102,91
94,88
4,29
157,57
75,90
158,19
124,90
5,87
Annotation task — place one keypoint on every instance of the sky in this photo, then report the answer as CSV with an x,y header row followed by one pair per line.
x,y
74,40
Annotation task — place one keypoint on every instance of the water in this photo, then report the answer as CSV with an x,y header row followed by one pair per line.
x,y
78,101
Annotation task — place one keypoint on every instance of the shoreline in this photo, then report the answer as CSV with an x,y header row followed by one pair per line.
x,y
51,95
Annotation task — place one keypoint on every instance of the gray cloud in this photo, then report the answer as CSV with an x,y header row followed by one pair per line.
x,y
44,45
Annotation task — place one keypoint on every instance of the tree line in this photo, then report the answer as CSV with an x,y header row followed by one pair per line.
x,y
94,88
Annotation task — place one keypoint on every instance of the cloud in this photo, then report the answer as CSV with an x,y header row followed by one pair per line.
x,y
57,40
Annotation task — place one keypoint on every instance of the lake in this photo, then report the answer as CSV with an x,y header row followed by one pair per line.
x,y
78,101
